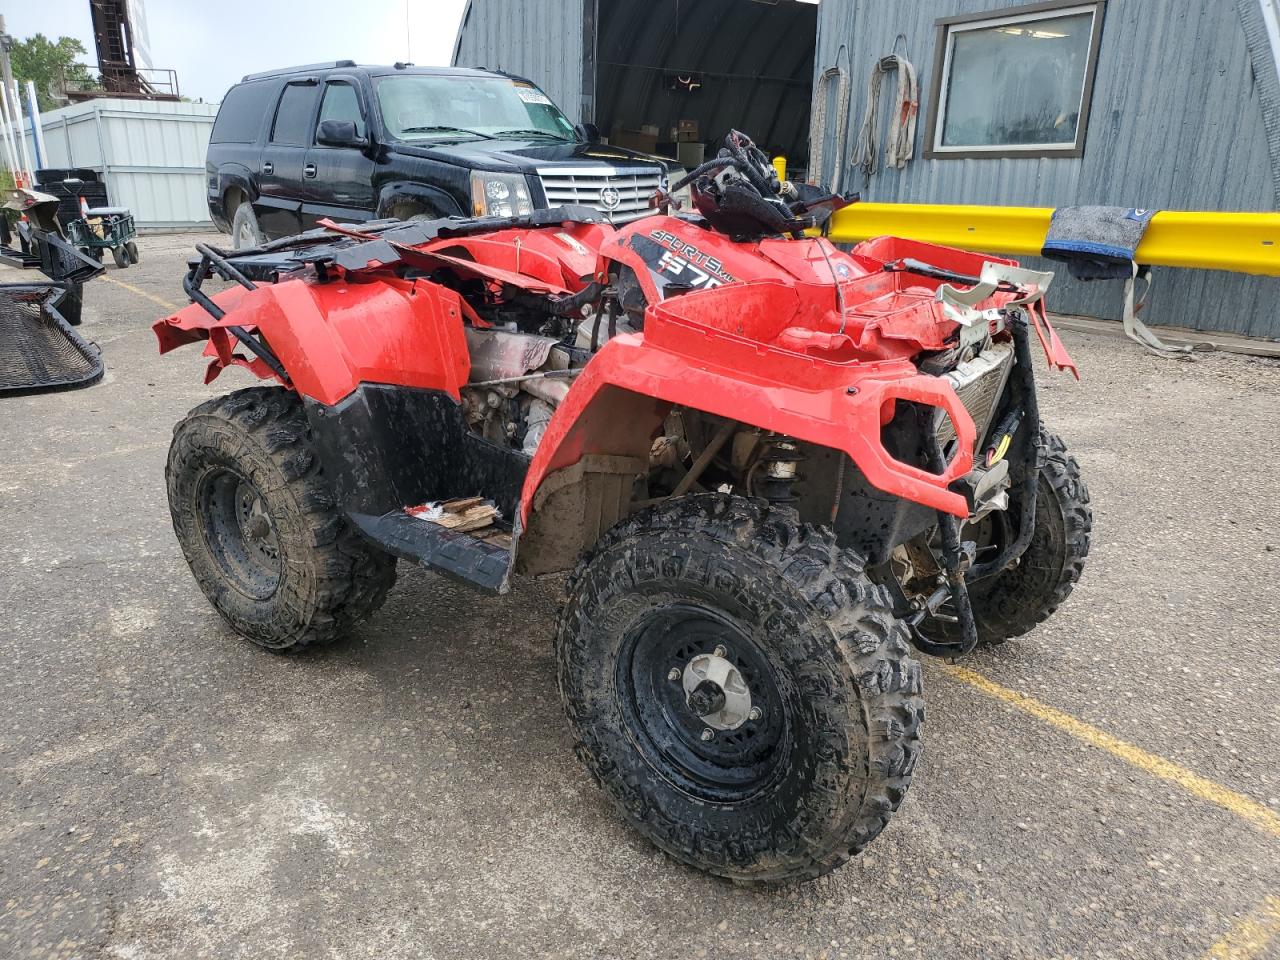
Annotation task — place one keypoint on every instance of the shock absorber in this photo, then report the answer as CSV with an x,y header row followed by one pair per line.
x,y
778,470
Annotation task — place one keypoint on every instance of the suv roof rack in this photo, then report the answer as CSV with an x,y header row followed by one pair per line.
x,y
305,68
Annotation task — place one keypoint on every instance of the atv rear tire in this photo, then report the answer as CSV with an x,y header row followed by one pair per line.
x,y
258,525
832,733
1027,594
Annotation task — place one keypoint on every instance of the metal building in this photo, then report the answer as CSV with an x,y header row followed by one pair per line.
x,y
149,153
637,68
1160,104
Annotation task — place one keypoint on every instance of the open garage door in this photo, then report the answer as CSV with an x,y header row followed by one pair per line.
x,y
672,77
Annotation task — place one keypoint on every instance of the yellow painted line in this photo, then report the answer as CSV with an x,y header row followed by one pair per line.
x,y
1251,937
172,307
1250,810
1239,242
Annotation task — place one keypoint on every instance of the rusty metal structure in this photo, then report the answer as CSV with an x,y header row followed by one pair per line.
x,y
120,70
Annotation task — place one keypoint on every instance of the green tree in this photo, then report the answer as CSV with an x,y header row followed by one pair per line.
x,y
48,63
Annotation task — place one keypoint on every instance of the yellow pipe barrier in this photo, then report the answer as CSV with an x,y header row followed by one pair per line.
x,y
1238,242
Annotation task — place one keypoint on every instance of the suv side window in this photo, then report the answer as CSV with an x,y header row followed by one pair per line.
x,y
243,109
341,102
292,126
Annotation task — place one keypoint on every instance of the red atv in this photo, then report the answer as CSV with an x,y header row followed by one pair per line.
x,y
769,468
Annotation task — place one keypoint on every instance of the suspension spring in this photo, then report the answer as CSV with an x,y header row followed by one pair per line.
x,y
777,470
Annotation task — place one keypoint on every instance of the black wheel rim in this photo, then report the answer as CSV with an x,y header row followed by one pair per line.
x,y
734,765
240,533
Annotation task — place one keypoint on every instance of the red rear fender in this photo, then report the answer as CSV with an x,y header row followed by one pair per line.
x,y
332,337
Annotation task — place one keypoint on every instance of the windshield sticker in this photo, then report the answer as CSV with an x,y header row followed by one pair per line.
x,y
530,95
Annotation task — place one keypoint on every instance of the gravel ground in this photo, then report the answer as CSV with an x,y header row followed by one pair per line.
x,y
167,790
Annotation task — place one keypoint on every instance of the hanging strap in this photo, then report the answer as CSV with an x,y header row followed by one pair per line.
x,y
1139,332
838,77
900,147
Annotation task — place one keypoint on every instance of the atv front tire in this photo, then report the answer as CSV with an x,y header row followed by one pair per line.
x,y
1013,602
259,528
793,761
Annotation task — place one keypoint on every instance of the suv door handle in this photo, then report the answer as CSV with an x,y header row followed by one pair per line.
x,y
268,168
309,170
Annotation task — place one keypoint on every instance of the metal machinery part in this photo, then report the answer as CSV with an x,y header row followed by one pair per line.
x,y
514,392
776,471
246,546
979,383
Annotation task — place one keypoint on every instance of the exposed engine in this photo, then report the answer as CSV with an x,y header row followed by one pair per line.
x,y
523,364
518,379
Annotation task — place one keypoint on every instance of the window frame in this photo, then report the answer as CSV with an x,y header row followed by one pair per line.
x,y
229,107
360,103
1027,13
310,128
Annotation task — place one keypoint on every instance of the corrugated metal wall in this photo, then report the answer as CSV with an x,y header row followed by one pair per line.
x,y
538,39
151,153
1176,124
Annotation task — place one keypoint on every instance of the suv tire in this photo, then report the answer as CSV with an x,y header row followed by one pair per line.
x,y
259,528
834,710
245,231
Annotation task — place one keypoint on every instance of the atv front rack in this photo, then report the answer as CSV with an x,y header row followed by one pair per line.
x,y
214,261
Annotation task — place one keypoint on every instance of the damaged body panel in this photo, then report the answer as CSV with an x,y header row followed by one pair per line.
x,y
823,360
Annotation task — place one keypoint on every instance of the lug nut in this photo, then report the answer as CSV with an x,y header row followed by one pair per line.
x,y
755,714
720,651
708,734
674,674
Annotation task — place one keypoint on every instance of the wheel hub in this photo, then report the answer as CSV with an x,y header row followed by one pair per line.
x,y
715,691
254,521
702,700
240,533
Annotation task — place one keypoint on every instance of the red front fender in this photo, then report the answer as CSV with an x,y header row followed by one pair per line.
x,y
836,405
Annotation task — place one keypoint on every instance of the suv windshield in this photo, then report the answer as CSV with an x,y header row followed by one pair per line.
x,y
418,107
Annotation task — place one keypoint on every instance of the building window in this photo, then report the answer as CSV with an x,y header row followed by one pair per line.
x,y
1015,82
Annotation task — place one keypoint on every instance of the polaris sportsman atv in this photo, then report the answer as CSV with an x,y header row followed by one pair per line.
x,y
769,469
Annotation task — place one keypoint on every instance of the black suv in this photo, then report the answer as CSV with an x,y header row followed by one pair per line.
x,y
358,143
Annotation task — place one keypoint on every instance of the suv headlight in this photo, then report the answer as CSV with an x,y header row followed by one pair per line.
x,y
500,195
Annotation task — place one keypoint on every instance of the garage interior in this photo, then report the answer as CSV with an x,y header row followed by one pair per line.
x,y
673,77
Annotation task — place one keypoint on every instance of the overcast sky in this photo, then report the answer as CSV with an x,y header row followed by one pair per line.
x,y
213,43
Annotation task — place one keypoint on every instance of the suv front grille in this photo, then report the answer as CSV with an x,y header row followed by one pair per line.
x,y
587,185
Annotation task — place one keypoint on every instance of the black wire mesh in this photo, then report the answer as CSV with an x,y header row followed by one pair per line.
x,y
39,350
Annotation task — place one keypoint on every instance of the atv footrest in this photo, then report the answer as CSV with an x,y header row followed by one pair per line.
x,y
479,562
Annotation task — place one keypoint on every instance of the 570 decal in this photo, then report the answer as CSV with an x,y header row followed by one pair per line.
x,y
685,261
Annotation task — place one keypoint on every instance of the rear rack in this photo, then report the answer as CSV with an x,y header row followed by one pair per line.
x,y
215,261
